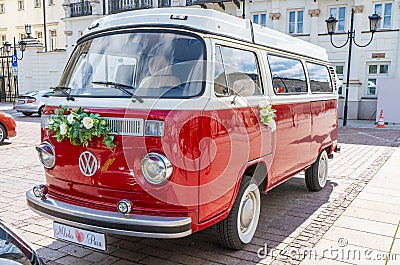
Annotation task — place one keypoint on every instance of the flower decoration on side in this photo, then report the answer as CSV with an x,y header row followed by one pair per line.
x,y
267,113
79,127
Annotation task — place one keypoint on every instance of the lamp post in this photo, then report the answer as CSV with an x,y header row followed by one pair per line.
x,y
331,25
6,57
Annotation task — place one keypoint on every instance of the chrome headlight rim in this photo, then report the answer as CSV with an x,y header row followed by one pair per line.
x,y
158,158
39,148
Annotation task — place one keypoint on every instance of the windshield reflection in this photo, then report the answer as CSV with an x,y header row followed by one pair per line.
x,y
145,64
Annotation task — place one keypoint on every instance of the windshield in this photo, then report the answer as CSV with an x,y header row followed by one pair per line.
x,y
145,64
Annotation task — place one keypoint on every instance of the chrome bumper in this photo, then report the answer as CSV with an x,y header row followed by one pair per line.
x,y
110,222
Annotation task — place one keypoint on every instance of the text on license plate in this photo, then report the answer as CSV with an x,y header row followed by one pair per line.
x,y
80,236
21,101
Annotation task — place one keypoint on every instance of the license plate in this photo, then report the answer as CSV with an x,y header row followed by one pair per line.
x,y
80,236
21,101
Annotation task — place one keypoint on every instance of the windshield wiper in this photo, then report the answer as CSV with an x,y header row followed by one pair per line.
x,y
121,87
62,89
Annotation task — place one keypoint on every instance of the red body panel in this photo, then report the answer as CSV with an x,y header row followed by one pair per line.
x,y
209,150
9,124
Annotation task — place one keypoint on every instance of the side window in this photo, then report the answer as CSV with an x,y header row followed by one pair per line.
x,y
288,75
220,86
320,81
241,73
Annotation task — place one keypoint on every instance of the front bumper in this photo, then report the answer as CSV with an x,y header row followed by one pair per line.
x,y
110,222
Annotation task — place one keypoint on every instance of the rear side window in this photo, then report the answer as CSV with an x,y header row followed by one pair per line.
x,y
288,76
320,81
236,71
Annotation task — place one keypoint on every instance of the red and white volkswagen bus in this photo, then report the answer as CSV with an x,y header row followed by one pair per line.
x,y
204,112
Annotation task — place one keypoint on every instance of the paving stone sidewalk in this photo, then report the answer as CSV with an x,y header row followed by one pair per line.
x,y
292,217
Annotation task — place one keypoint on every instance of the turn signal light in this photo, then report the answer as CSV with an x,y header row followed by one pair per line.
x,y
40,191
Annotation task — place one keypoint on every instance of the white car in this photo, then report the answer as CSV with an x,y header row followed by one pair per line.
x,y
32,102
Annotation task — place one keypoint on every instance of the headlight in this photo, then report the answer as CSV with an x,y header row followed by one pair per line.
x,y
47,155
154,128
156,168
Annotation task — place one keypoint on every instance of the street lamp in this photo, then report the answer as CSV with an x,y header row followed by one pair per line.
x,y
331,25
28,30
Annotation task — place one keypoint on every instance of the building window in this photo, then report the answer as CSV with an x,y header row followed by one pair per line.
x,y
51,2
3,39
374,72
385,11
2,8
38,3
39,36
21,5
53,39
296,22
260,19
340,72
22,36
340,14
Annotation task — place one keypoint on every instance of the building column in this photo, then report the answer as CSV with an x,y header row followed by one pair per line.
x,y
357,65
275,20
314,14
96,7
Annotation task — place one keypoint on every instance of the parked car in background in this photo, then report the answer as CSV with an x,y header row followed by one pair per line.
x,y
7,126
15,248
32,102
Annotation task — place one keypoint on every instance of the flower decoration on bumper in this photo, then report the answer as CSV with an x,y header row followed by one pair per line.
x,y
79,127
267,113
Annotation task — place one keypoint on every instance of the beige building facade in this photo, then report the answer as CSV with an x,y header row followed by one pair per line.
x,y
304,19
15,14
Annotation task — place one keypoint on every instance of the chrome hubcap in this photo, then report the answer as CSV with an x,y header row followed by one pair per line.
x,y
322,170
1,134
247,212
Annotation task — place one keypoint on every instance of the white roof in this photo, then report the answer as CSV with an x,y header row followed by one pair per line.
x,y
211,21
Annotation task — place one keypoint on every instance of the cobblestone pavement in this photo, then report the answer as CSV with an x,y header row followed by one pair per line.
x,y
291,216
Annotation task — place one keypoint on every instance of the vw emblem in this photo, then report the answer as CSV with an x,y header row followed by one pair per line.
x,y
87,164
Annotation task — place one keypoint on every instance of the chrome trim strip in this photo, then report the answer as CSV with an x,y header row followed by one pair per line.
x,y
125,126
180,226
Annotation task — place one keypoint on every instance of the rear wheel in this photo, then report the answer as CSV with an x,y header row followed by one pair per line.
x,y
3,133
40,111
238,228
27,113
317,174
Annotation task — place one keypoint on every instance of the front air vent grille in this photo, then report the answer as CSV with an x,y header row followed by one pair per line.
x,y
125,126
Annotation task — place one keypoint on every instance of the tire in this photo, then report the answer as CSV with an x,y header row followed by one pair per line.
x,y
27,113
3,133
238,228
40,111
316,176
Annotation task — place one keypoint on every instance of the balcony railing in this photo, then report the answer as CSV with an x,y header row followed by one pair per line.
x,y
204,2
117,6
81,9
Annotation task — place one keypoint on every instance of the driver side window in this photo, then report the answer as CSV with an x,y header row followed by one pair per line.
x,y
236,72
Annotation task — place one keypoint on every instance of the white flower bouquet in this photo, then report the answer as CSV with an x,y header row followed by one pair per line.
x,y
267,113
79,126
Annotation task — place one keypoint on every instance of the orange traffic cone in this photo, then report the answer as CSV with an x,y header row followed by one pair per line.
x,y
381,121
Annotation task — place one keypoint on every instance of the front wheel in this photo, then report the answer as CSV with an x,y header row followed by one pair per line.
x,y
40,111
317,174
238,228
3,133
